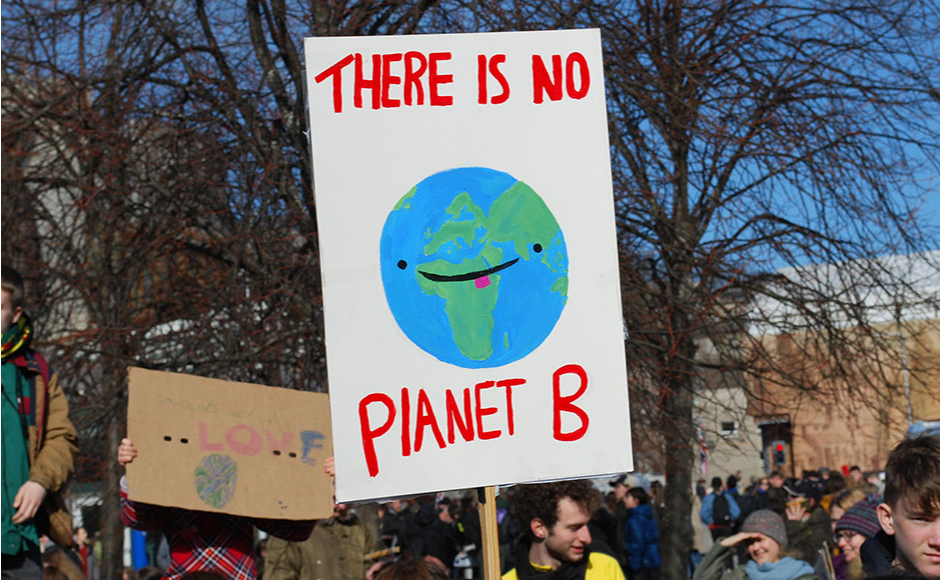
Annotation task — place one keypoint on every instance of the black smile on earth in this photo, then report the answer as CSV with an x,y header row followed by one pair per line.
x,y
468,275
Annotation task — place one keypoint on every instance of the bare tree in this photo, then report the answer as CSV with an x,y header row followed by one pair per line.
x,y
748,137
745,137
107,199
158,192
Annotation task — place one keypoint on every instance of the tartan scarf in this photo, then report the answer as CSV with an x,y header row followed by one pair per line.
x,y
16,338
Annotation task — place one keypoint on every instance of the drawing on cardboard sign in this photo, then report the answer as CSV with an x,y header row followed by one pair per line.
x,y
216,476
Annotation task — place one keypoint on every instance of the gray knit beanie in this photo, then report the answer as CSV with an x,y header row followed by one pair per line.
x,y
768,523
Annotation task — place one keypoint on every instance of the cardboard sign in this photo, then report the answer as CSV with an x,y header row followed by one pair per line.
x,y
218,446
470,274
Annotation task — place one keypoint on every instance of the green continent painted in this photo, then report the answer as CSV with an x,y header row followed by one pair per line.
x,y
405,202
518,216
469,309
463,232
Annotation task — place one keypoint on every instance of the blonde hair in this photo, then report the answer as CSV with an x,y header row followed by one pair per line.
x,y
847,498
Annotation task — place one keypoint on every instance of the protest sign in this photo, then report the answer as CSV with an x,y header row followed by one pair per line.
x,y
470,271
219,446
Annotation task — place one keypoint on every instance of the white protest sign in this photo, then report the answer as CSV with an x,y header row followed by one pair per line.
x,y
470,276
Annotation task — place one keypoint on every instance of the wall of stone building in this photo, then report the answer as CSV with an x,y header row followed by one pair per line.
x,y
862,428
730,458
733,449
827,423
831,436
925,393
822,436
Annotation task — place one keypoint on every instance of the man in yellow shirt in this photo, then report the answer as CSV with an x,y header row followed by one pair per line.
x,y
555,518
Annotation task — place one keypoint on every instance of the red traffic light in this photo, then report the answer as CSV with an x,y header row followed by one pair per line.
x,y
779,446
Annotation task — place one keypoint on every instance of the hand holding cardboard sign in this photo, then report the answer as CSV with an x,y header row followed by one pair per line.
x,y
126,452
213,445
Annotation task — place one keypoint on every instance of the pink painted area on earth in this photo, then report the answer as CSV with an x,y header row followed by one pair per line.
x,y
482,282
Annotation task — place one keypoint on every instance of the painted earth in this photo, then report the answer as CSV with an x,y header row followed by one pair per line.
x,y
475,267
216,476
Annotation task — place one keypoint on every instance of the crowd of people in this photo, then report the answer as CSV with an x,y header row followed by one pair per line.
x,y
827,525
822,526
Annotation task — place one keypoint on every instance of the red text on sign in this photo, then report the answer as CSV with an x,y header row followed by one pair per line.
x,y
467,413
574,79
396,79
565,404
243,439
490,68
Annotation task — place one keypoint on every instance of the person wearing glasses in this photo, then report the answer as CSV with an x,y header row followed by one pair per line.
x,y
857,524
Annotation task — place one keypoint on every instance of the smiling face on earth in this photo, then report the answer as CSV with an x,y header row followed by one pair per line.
x,y
475,267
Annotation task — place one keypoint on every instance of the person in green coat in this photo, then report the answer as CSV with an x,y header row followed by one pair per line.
x,y
765,536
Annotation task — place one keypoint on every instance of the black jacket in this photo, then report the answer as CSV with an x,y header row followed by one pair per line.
x,y
878,556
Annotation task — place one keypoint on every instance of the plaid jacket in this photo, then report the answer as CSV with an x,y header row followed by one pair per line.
x,y
209,541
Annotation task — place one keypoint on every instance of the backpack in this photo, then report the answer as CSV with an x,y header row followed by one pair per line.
x,y
53,517
721,511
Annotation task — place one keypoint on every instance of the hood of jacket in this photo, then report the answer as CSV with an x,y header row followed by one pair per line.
x,y
878,555
643,510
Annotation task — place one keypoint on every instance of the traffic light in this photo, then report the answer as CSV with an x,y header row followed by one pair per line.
x,y
780,453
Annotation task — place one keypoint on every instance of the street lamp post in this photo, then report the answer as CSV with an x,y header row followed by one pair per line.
x,y
907,381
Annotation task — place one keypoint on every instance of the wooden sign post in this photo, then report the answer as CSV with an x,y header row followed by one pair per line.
x,y
489,526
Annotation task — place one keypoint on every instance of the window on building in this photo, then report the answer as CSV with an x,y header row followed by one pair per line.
x,y
729,428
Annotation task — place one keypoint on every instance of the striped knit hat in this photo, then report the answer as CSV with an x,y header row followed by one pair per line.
x,y
862,517
768,523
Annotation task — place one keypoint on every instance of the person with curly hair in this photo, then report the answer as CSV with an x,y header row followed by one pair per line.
x,y
557,544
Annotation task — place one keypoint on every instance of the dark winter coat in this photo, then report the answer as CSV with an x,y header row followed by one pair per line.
x,y
806,538
641,538
878,555
427,535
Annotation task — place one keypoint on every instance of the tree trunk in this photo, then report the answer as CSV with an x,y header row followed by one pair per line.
x,y
675,537
112,528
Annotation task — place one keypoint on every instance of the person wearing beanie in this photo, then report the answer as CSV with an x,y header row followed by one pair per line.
x,y
765,536
840,504
859,523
